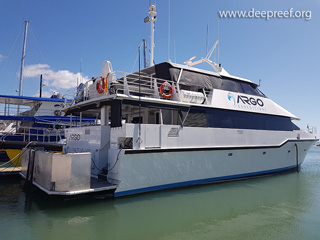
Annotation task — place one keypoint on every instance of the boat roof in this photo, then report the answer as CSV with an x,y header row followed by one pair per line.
x,y
162,67
22,100
209,72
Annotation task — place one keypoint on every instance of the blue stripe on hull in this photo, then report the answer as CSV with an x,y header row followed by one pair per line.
x,y
200,181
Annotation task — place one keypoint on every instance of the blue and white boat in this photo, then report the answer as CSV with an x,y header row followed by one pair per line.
x,y
170,125
40,123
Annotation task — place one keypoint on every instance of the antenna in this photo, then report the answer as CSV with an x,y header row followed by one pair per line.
x,y
144,52
151,19
218,30
174,47
139,137
217,67
207,39
81,79
40,95
211,50
169,34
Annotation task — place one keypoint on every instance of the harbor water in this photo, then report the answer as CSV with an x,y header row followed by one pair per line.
x,y
285,206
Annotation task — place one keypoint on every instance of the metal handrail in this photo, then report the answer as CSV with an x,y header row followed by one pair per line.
x,y
41,134
128,83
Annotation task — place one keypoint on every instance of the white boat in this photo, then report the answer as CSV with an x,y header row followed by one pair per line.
x,y
170,125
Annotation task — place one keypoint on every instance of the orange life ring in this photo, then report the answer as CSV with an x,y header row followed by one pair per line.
x,y
101,87
166,90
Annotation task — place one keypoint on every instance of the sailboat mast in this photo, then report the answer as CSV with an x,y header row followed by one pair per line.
x,y
23,56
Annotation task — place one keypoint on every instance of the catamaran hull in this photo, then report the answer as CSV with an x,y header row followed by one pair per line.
x,y
142,171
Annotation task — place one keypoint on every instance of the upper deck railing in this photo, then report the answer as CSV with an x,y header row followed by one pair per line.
x,y
133,84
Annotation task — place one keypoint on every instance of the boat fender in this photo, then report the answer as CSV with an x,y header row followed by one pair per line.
x,y
166,90
57,113
101,85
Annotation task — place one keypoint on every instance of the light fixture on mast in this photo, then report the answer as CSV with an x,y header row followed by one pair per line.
x,y
151,19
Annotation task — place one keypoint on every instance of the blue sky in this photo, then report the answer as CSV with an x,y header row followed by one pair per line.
x,y
283,53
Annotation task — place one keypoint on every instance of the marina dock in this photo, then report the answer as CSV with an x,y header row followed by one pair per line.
x,y
9,171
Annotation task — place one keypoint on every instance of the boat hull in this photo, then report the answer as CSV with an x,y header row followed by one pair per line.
x,y
150,170
12,157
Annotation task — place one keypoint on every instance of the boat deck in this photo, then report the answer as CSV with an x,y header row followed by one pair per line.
x,y
95,187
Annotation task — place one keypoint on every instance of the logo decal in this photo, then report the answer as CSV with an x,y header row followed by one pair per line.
x,y
246,102
231,98
250,100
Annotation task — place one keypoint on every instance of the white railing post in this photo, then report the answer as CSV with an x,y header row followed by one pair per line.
x,y
155,87
125,85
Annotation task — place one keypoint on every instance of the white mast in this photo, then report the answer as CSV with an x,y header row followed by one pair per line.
x,y
22,61
23,56
152,13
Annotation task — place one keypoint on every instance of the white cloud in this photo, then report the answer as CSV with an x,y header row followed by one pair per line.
x,y
45,94
2,57
62,79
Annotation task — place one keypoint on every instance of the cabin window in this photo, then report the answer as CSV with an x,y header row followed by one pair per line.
x,y
230,85
241,87
245,120
260,93
195,119
147,115
170,117
205,117
251,89
137,120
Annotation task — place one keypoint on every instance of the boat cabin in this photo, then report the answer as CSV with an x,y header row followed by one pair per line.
x,y
174,94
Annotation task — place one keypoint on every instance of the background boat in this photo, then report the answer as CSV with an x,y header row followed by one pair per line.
x,y
40,123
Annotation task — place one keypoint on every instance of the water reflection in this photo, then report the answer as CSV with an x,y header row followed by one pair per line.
x,y
283,206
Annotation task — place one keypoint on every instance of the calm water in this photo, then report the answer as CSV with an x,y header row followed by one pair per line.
x,y
278,207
